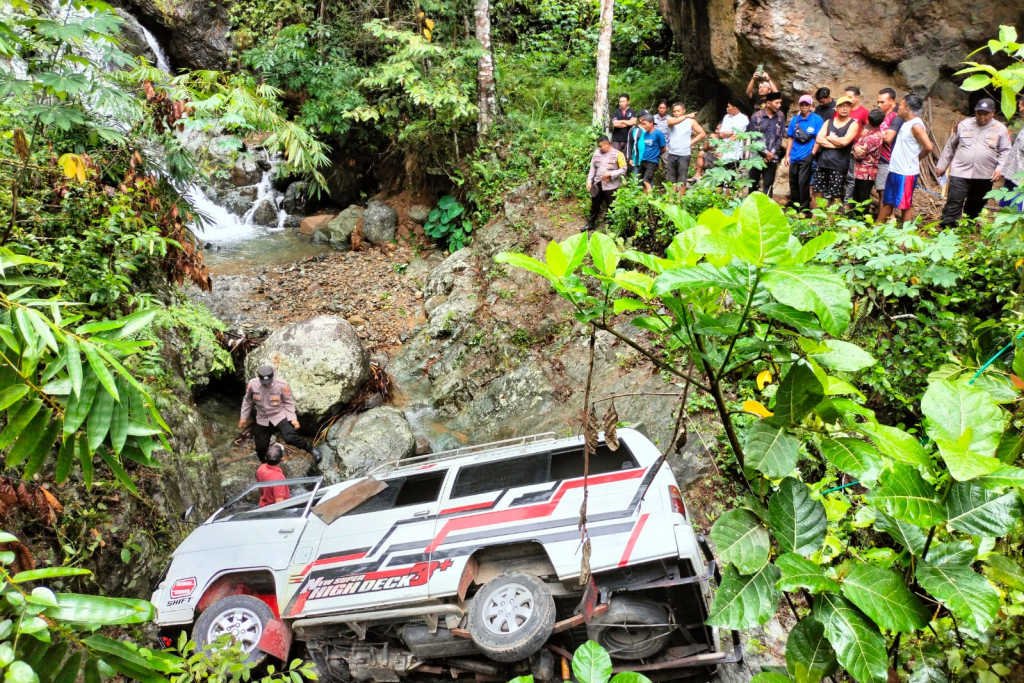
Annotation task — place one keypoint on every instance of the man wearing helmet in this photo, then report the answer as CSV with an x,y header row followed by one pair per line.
x,y
275,411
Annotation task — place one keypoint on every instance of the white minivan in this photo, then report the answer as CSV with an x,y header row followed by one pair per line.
x,y
466,563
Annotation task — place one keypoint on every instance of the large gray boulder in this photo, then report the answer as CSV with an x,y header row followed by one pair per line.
x,y
338,232
296,197
265,213
321,358
380,222
361,442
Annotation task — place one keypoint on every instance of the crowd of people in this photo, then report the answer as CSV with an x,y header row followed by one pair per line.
x,y
834,150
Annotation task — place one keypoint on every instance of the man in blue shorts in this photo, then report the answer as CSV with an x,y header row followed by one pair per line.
x,y
912,144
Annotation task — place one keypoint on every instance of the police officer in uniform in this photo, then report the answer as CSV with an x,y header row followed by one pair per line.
x,y
275,410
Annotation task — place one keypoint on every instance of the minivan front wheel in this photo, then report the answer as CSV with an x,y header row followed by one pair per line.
x,y
512,617
240,617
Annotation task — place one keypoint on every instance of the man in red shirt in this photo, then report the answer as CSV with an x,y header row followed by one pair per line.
x,y
271,471
859,113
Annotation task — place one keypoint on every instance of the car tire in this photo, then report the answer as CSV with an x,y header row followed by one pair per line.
x,y
241,616
512,617
632,628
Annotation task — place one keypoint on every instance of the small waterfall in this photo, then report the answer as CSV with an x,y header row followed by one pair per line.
x,y
136,26
223,226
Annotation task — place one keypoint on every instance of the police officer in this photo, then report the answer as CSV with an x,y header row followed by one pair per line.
x,y
275,410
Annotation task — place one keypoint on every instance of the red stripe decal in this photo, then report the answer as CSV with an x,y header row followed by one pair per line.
x,y
530,511
467,508
332,560
624,560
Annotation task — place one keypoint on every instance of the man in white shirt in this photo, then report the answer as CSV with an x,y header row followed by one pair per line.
x,y
912,144
732,123
683,134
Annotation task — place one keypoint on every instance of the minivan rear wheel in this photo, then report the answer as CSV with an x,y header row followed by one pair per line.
x,y
241,617
512,617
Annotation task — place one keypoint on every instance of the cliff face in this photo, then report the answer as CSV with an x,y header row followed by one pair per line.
x,y
906,44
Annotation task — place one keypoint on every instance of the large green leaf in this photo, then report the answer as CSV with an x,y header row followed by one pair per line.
x,y
604,253
809,657
815,289
95,611
967,594
905,495
853,456
797,520
745,601
799,392
741,540
839,355
976,510
967,424
895,443
762,231
857,643
701,276
798,572
882,595
906,534
770,450
591,663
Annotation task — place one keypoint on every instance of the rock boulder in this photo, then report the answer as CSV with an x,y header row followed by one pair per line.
x,y
338,232
310,224
295,197
322,359
265,213
379,223
359,443
418,213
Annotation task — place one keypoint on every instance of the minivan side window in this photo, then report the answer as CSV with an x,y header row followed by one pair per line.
x,y
568,463
524,470
402,491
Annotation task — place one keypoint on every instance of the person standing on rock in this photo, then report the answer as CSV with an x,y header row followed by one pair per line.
x,y
835,147
800,139
890,127
770,122
973,155
272,401
607,167
270,470
683,135
912,144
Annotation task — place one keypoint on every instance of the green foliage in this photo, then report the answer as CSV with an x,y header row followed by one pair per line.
x,y
447,223
49,636
195,332
311,60
1009,80
67,385
736,293
591,663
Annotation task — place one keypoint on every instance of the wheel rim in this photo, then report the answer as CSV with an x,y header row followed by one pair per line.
x,y
243,625
508,609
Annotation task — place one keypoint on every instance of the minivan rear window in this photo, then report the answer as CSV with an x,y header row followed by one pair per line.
x,y
568,464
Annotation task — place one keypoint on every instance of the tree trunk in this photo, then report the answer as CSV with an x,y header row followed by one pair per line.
x,y
604,54
487,100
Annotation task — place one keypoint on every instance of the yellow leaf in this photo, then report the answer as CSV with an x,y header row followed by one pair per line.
x,y
427,34
764,378
1020,262
429,23
73,166
756,408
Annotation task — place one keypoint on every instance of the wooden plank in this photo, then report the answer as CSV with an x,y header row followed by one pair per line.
x,y
336,506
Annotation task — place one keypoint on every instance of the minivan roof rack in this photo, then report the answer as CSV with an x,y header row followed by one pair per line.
x,y
462,451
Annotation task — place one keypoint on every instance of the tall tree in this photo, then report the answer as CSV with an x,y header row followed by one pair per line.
x,y
487,100
604,54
